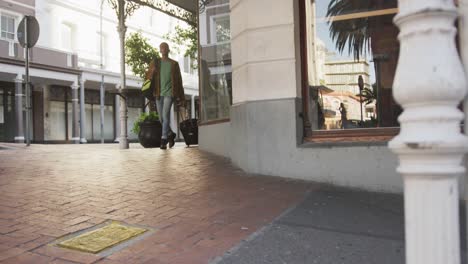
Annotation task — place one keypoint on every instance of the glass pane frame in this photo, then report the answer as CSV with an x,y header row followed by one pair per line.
x,y
8,27
312,92
215,66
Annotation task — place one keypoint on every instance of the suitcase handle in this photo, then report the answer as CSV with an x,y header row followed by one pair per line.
x,y
181,117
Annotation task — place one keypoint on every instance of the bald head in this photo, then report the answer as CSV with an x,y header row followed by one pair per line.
x,y
164,49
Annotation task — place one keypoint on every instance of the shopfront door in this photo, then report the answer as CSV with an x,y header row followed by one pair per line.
x,y
7,113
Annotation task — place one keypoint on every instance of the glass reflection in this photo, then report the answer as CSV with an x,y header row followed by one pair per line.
x,y
215,60
352,56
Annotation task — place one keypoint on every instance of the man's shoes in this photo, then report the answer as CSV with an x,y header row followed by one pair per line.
x,y
163,143
171,139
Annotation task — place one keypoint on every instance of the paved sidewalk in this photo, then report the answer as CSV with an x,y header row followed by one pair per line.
x,y
203,210
199,205
333,226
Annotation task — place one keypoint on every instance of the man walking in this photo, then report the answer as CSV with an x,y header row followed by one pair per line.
x,y
167,80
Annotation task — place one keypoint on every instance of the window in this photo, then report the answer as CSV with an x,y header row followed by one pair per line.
x,y
66,37
151,19
57,121
220,28
215,61
352,50
188,65
7,27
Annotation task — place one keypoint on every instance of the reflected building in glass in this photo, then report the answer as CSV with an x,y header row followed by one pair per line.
x,y
215,60
346,40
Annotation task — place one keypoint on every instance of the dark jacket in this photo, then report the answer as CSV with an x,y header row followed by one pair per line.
x,y
176,79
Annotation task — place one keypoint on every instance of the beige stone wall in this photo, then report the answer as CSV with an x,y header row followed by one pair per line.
x,y
264,50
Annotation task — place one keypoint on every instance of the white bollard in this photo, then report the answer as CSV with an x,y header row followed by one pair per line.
x,y
429,84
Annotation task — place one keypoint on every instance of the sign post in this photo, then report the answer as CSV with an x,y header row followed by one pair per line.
x,y
28,34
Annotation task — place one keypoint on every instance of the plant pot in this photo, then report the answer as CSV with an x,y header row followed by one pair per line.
x,y
150,134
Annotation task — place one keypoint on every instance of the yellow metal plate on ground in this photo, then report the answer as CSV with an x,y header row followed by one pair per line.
x,y
97,240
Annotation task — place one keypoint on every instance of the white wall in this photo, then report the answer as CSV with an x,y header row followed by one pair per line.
x,y
215,138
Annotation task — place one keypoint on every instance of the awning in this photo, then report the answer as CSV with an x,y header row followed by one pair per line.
x,y
185,10
189,5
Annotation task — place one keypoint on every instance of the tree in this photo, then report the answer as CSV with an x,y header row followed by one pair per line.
x,y
350,28
352,33
124,9
356,34
186,37
139,53
368,95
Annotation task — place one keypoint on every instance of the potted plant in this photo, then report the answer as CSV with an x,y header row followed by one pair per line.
x,y
149,129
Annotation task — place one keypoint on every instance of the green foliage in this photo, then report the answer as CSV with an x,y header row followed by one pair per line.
x,y
144,117
369,123
139,53
368,95
186,37
353,34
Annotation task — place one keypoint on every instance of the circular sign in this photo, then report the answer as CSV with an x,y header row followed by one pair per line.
x,y
33,31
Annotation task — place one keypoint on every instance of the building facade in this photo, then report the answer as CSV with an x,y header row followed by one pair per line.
x,y
77,53
282,63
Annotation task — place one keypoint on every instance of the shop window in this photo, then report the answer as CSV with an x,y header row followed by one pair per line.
x,y
352,51
57,121
215,70
133,114
93,115
7,25
135,104
2,111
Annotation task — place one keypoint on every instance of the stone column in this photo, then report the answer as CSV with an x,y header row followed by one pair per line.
x,y
430,145
192,101
117,116
82,112
122,29
463,26
75,114
102,106
46,103
19,136
123,139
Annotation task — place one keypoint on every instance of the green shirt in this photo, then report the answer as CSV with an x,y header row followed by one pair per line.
x,y
165,77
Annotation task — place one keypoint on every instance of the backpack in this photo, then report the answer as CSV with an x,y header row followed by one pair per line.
x,y
147,89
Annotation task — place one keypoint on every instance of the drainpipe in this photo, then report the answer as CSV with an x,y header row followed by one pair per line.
x,y
430,146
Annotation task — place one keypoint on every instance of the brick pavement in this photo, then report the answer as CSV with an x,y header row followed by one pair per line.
x,y
199,204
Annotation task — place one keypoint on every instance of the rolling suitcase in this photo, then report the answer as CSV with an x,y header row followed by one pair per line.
x,y
189,129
